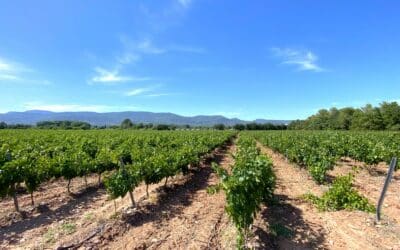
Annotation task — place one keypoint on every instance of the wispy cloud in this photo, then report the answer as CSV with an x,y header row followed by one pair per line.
x,y
127,58
113,77
132,53
152,91
136,49
161,94
18,73
304,60
76,107
138,91
12,67
147,47
5,76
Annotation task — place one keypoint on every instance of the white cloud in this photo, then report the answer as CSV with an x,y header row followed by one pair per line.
x,y
147,92
12,67
10,70
113,76
135,49
128,58
4,66
304,60
146,46
76,107
17,73
132,52
4,76
138,91
161,94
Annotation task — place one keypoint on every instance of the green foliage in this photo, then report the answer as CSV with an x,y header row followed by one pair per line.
x,y
219,126
341,195
386,116
260,126
63,125
127,123
250,183
119,183
67,228
3,125
318,151
34,156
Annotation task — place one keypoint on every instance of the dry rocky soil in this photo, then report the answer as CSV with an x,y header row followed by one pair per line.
x,y
183,215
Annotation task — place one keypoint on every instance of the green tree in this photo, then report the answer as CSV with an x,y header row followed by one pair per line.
x,y
390,115
219,126
368,118
3,125
239,126
321,120
345,118
127,123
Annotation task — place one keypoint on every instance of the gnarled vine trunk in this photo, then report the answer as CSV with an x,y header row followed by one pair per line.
x,y
132,199
68,186
14,194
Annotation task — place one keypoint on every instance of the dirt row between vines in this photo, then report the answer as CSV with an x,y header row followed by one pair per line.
x,y
182,215
369,182
59,215
293,223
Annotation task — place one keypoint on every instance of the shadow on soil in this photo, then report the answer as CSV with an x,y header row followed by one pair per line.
x,y
287,228
174,198
13,232
379,172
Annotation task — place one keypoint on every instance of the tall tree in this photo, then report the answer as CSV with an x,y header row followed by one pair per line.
x,y
127,123
391,115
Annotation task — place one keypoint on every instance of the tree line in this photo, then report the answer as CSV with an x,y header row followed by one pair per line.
x,y
386,116
128,124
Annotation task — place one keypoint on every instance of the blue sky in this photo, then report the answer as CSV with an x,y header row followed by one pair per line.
x,y
248,59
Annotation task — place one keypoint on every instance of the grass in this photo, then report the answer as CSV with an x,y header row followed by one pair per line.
x,y
89,216
49,236
68,228
53,233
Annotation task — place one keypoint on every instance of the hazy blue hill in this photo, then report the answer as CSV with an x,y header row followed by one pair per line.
x,y
114,118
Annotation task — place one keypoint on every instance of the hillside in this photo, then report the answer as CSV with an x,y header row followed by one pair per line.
x,y
114,118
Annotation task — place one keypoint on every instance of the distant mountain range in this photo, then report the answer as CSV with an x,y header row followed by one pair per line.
x,y
115,118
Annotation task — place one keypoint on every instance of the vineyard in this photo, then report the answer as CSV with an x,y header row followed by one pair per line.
x,y
319,151
205,189
150,157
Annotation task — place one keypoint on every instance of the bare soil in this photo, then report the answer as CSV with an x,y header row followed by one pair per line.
x,y
184,216
53,206
88,219
293,223
369,182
